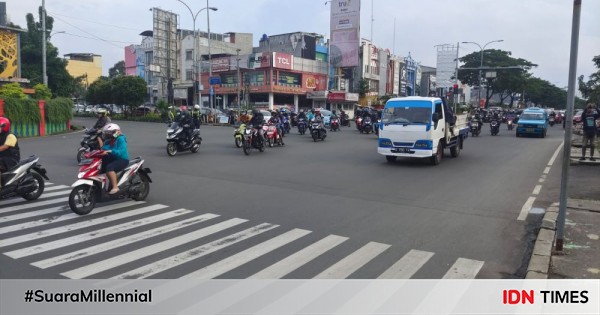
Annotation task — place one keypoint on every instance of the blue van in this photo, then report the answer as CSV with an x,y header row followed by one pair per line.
x,y
533,121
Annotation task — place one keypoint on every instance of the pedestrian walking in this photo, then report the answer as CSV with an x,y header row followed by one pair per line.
x,y
589,117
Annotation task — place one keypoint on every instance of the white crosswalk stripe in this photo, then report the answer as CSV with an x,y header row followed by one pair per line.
x,y
464,269
247,255
99,248
36,249
74,226
407,266
52,208
203,250
298,259
353,262
30,205
116,261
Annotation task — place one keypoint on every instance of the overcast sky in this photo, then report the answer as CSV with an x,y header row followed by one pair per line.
x,y
536,30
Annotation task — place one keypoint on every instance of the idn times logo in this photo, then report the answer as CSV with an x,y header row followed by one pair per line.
x,y
547,297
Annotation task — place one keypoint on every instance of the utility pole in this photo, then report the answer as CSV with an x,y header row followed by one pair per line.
x,y
210,91
239,79
562,208
44,74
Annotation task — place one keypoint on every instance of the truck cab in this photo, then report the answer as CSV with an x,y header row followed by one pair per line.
x,y
533,121
419,127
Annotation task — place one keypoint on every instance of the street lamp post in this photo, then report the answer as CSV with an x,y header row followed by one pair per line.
x,y
481,63
239,79
210,91
196,73
44,74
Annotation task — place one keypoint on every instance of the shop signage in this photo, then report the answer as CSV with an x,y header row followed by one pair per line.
x,y
336,96
317,95
220,64
283,61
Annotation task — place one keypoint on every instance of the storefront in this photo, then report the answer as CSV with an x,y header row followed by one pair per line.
x,y
343,101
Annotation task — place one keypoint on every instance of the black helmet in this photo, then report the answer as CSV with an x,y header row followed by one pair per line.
x,y
255,112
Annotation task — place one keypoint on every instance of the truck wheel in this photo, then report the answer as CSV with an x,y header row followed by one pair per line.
x,y
455,150
437,158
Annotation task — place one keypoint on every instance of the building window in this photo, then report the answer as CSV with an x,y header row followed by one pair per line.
x,y
189,76
189,54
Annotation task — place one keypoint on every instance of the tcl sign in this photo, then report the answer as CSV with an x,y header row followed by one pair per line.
x,y
283,61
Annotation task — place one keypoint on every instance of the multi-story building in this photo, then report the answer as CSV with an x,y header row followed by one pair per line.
x,y
427,82
84,64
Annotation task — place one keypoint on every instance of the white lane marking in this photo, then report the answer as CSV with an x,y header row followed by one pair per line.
x,y
48,183
33,213
555,154
34,204
526,208
74,226
407,266
247,255
106,264
464,269
55,188
542,180
299,258
536,190
195,253
102,247
348,265
76,239
547,170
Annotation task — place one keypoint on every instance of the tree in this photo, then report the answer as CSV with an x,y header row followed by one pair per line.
x,y
129,91
12,90
100,92
363,87
591,88
42,92
544,93
507,82
117,70
59,80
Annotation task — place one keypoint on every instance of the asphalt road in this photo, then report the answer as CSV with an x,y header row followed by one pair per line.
x,y
333,203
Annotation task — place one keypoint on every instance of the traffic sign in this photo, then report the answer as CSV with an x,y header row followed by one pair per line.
x,y
215,80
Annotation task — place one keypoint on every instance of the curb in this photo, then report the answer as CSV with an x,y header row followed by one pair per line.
x,y
539,264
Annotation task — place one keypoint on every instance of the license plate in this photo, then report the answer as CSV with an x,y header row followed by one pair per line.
x,y
401,150
530,129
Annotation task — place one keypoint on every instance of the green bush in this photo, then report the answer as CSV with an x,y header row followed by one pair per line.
x,y
151,117
22,110
59,110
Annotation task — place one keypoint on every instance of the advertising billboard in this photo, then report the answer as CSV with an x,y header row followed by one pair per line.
x,y
259,60
283,61
345,33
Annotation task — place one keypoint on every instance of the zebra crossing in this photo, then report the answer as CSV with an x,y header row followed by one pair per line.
x,y
134,240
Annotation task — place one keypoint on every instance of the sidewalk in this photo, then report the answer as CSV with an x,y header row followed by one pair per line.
x,y
576,152
580,257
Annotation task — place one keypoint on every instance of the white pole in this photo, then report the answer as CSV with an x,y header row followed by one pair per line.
x,y
210,91
44,74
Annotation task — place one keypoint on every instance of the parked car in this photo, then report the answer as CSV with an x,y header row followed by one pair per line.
x,y
577,116
143,110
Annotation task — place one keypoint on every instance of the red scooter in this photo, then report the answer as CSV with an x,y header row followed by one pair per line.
x,y
273,136
93,187
334,124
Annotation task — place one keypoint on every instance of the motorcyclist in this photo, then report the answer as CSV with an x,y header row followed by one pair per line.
x,y
196,116
302,115
245,117
276,121
185,120
171,115
319,119
311,115
9,148
257,122
116,157
103,119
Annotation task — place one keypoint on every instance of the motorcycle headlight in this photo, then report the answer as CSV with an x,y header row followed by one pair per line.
x,y
170,130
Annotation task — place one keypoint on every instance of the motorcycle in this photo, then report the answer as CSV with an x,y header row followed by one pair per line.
x,y
475,128
334,124
366,125
317,131
273,136
238,135
510,124
358,122
251,140
551,121
93,187
178,141
89,142
345,120
286,125
495,127
26,179
302,126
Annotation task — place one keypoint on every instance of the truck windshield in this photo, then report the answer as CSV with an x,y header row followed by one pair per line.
x,y
531,116
406,115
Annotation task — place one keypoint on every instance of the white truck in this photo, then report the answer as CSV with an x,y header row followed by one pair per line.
x,y
418,127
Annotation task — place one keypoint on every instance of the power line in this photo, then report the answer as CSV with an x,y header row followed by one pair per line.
x,y
111,25
98,38
114,41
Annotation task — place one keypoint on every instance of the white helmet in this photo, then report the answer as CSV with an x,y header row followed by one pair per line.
x,y
101,111
196,106
110,130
